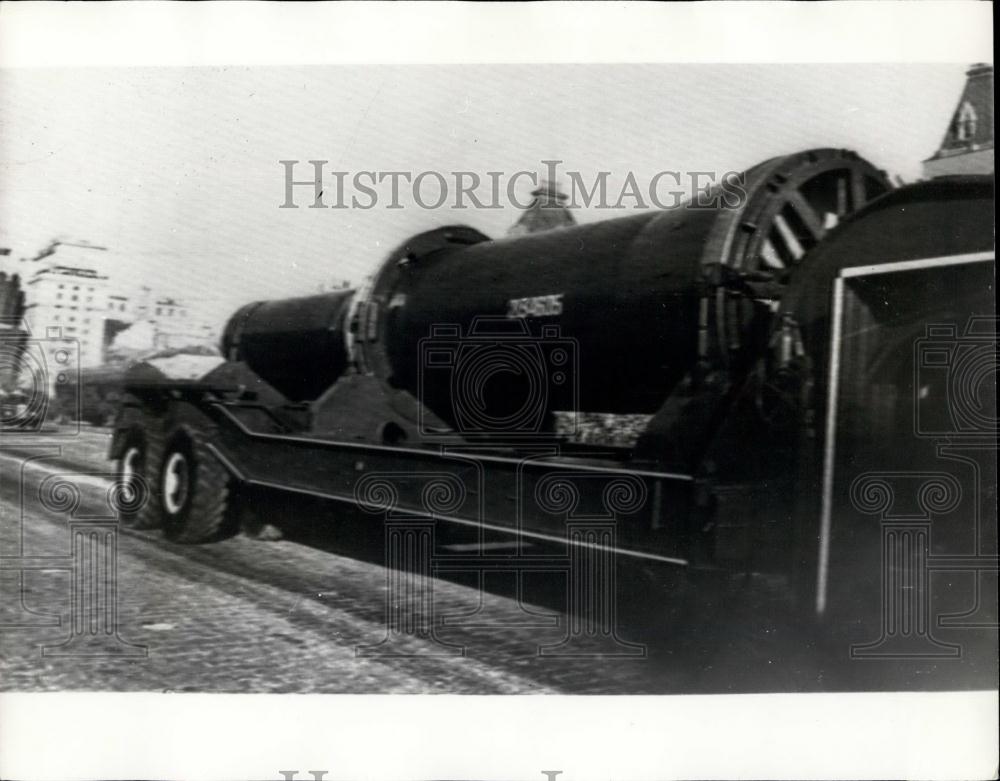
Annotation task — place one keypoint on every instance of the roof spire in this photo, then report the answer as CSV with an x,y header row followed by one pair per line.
x,y
547,211
967,146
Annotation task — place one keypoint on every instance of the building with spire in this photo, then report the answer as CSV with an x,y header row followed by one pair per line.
x,y
967,147
547,211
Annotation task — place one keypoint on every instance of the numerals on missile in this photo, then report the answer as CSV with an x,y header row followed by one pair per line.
x,y
536,306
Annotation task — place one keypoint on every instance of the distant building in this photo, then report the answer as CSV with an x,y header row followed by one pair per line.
x,y
547,211
148,323
11,299
119,306
69,296
70,300
12,334
967,147
176,325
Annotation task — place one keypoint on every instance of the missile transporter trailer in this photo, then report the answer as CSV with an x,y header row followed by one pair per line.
x,y
486,383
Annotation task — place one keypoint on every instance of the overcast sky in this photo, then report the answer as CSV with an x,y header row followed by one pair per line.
x,y
176,170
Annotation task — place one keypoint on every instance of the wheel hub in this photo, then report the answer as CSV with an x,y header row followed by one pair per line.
x,y
176,481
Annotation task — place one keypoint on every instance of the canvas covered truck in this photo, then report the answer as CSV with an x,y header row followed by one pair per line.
x,y
459,384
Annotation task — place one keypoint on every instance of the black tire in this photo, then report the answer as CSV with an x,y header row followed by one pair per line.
x,y
141,457
193,492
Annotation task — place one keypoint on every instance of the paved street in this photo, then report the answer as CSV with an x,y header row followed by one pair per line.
x,y
245,615
307,613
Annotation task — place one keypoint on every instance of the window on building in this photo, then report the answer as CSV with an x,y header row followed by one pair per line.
x,y
158,312
61,287
59,295
111,304
121,307
76,287
965,123
75,297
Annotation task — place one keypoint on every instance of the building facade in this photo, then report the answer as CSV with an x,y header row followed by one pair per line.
x,y
69,299
967,146
68,302
176,325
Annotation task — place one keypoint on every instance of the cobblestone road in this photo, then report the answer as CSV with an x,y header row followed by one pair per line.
x,y
243,615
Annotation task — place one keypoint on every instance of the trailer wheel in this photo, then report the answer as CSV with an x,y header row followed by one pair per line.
x,y
193,489
134,471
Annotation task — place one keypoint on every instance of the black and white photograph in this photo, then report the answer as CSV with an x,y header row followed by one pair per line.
x,y
499,378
